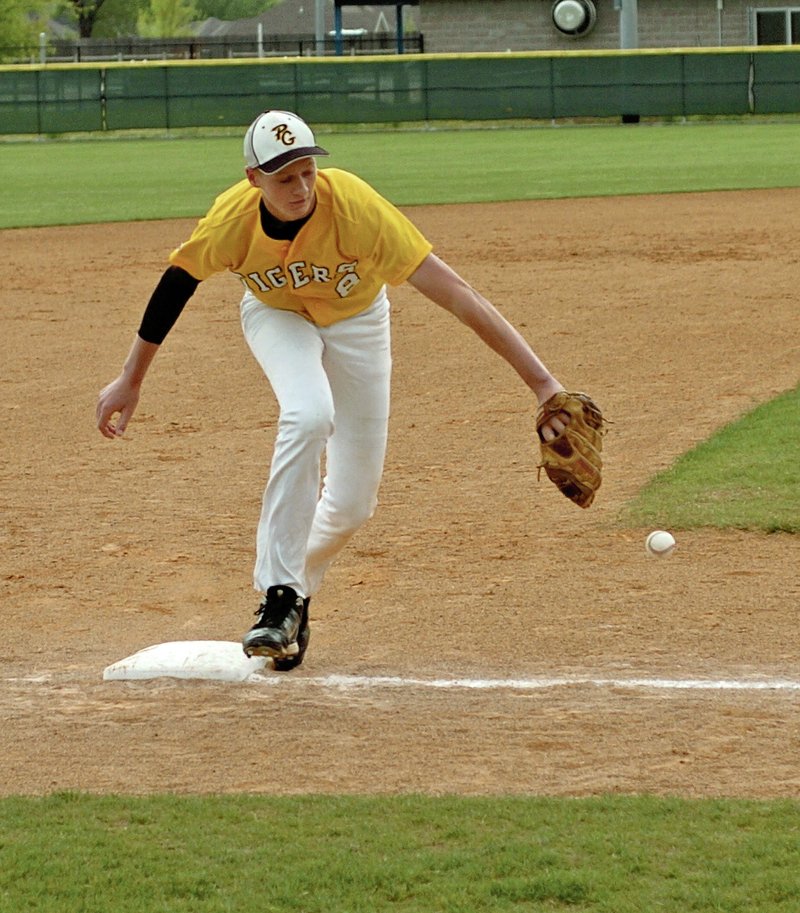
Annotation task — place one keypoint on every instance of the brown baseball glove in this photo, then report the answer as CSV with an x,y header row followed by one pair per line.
x,y
572,459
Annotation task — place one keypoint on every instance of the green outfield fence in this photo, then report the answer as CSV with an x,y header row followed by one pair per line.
x,y
67,98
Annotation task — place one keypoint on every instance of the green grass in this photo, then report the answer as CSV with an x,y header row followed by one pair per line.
x,y
81,854
747,476
108,180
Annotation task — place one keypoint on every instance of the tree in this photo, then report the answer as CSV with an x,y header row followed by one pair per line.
x,y
86,12
115,18
233,9
167,19
21,22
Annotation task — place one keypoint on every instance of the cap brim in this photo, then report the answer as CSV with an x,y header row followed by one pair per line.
x,y
286,158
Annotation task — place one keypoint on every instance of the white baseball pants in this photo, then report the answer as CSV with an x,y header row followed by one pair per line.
x,y
332,387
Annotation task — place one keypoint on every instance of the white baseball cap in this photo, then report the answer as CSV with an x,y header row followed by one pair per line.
x,y
276,138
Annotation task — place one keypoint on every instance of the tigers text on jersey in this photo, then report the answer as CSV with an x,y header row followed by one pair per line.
x,y
354,243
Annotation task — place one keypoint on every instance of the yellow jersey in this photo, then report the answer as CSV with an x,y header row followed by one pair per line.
x,y
353,244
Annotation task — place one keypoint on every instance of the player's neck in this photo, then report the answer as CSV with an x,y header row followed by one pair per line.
x,y
279,230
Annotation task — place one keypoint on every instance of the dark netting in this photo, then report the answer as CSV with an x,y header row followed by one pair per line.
x,y
397,89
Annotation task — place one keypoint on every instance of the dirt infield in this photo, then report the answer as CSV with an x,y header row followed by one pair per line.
x,y
678,313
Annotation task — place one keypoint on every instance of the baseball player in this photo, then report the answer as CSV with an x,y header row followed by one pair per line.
x,y
315,251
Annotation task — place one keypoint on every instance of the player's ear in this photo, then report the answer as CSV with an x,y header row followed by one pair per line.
x,y
251,176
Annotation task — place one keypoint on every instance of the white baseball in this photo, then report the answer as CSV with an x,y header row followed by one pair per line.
x,y
659,543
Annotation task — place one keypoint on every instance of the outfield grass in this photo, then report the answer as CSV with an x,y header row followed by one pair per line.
x,y
70,853
65,182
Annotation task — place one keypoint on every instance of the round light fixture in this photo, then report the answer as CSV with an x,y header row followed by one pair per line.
x,y
574,18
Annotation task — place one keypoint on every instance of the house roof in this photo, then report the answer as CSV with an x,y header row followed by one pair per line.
x,y
298,17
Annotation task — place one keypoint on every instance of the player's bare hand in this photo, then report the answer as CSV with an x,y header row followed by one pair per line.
x,y
119,399
555,426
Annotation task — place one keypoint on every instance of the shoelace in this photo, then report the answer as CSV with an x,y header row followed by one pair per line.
x,y
272,616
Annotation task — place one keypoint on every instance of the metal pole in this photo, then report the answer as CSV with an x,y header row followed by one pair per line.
x,y
337,19
319,26
628,24
398,13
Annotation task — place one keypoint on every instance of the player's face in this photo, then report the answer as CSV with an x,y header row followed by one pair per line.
x,y
289,194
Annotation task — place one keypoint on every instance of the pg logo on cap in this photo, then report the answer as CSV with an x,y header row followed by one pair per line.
x,y
283,134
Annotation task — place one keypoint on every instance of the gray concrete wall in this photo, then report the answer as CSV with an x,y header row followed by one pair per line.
x,y
526,25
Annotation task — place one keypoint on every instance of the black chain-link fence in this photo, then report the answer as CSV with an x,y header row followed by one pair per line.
x,y
90,50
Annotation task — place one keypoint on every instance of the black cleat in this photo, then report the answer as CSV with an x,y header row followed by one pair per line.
x,y
286,664
277,630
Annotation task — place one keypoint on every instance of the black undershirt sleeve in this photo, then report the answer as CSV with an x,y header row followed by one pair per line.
x,y
169,297
177,286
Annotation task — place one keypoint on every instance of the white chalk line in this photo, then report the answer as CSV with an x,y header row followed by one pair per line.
x,y
352,682
224,661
